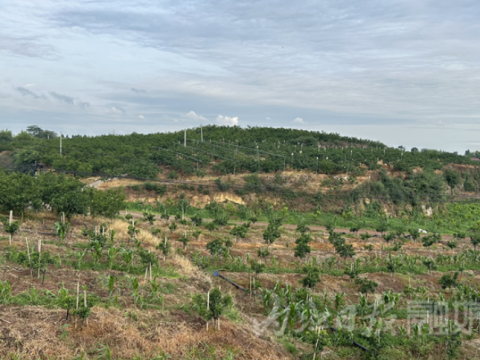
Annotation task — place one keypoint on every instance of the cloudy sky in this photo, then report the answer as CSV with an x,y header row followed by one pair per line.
x,y
405,72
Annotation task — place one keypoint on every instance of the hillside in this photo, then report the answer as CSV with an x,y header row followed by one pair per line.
x,y
118,251
297,167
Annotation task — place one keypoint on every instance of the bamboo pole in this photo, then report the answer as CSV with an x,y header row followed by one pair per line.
x,y
10,219
76,307
29,258
208,305
78,294
85,302
28,253
39,256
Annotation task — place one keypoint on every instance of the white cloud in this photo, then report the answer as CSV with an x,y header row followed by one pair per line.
x,y
192,115
227,120
29,85
117,110
298,120
141,117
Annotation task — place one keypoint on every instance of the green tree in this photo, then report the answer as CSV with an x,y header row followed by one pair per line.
x,y
448,281
216,247
240,231
257,267
452,178
365,285
10,229
164,247
475,240
147,216
108,203
212,306
312,276
346,250
18,192
272,232
302,248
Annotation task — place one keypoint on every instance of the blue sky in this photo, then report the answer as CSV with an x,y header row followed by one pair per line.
x,y
402,72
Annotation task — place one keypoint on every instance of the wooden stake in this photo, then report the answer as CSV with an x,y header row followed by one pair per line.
x,y
78,293
10,219
150,271
250,285
39,255
28,253
208,304
85,302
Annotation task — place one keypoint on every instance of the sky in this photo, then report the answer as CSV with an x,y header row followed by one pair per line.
x,y
404,72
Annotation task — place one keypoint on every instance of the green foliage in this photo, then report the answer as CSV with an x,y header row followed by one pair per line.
x,y
108,203
19,192
257,267
217,304
240,231
365,286
452,244
164,247
448,281
61,229
312,276
302,248
147,257
211,226
184,240
388,237
453,340
172,227
272,232
365,236
216,247
429,240
263,252
196,219
475,240
452,178
147,216
10,228
345,250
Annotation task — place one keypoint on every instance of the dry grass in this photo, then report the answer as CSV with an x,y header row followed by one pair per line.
x,y
38,333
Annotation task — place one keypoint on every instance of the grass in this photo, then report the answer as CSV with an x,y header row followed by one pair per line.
x,y
445,219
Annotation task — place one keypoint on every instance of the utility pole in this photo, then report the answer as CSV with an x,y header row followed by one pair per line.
x,y
201,133
184,138
60,143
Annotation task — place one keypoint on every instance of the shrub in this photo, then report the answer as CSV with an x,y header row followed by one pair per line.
x,y
173,175
448,281
365,286
312,276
